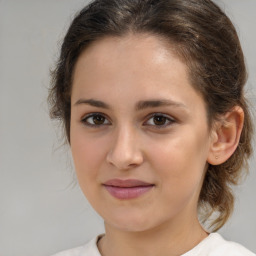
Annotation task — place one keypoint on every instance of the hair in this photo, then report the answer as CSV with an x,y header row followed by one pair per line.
x,y
205,39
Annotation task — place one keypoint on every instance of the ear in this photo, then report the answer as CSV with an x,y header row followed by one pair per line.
x,y
225,136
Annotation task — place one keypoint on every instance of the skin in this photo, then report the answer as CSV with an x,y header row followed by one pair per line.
x,y
124,82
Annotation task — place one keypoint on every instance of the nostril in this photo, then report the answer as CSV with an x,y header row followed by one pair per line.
x,y
125,160
125,152
132,165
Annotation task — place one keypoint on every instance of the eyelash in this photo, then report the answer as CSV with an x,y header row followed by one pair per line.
x,y
94,115
167,120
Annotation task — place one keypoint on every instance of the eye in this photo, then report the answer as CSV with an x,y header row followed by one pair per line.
x,y
95,119
159,120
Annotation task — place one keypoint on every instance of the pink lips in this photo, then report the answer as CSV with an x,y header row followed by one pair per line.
x,y
127,189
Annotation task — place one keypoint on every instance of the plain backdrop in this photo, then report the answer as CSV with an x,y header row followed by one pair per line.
x,y
42,209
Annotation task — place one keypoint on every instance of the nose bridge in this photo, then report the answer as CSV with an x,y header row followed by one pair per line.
x,y
125,150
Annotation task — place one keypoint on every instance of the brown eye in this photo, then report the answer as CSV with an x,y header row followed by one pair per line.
x,y
95,120
98,119
159,120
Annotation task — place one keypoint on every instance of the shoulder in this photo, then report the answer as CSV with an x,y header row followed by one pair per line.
x,y
89,249
226,247
216,245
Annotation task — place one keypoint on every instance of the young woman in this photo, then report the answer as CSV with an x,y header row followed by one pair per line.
x,y
150,93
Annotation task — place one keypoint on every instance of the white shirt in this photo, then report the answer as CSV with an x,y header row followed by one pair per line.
x,y
213,245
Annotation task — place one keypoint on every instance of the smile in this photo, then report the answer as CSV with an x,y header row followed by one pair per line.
x,y
127,189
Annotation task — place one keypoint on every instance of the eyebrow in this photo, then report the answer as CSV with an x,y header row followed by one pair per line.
x,y
154,103
158,103
92,102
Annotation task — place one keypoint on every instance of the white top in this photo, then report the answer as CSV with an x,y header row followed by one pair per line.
x,y
213,245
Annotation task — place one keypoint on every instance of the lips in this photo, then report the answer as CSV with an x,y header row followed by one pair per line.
x,y
127,189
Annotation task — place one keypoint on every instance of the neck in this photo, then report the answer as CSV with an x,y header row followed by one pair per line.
x,y
170,239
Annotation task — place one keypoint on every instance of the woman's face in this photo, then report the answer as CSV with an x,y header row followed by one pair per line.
x,y
139,134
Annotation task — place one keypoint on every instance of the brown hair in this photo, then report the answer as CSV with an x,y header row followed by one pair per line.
x,y
205,39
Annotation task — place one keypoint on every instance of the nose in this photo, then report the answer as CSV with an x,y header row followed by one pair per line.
x,y
125,151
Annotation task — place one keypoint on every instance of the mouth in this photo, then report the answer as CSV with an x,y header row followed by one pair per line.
x,y
127,189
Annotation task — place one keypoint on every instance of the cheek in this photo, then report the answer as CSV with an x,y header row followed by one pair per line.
x,y
180,160
88,148
88,156
86,162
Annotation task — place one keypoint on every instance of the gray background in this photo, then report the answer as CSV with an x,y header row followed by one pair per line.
x,y
41,208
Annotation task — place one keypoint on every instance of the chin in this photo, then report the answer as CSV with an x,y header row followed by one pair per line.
x,y
130,223
129,227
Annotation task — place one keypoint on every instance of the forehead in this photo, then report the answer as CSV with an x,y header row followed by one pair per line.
x,y
129,52
134,66
132,42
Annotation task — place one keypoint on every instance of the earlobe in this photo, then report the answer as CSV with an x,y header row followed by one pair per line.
x,y
225,136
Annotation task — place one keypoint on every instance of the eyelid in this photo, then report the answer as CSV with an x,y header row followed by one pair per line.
x,y
171,120
92,114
